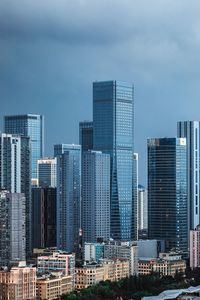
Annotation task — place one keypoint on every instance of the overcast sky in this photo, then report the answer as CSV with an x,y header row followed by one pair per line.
x,y
52,50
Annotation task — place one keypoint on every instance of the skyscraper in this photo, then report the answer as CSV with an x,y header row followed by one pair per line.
x,y
113,134
15,172
86,135
43,217
95,196
167,192
29,126
191,131
12,227
135,195
68,196
47,172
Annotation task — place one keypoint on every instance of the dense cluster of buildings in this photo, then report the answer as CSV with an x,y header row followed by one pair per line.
x,y
86,200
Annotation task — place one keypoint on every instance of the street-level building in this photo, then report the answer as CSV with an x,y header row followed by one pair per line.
x,y
168,264
18,283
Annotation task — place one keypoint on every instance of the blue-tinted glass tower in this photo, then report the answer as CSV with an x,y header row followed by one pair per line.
x,y
167,192
68,196
191,131
30,126
113,134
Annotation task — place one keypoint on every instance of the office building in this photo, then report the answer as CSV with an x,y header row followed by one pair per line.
x,y
18,282
142,212
167,192
15,172
86,135
113,134
12,227
95,196
29,126
43,217
195,248
126,250
68,196
191,131
47,172
168,264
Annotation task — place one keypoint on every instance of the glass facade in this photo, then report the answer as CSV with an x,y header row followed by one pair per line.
x,y
113,134
191,131
167,192
30,126
47,172
95,196
68,196
86,135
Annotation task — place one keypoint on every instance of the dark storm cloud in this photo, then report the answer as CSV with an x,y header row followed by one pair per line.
x,y
51,51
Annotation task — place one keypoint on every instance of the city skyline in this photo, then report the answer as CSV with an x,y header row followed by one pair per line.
x,y
51,68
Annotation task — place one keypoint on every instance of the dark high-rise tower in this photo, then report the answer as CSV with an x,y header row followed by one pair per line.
x,y
167,192
86,135
113,134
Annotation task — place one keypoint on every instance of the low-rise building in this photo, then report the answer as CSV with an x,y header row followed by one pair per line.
x,y
58,261
107,269
195,247
18,282
53,286
166,264
190,293
94,252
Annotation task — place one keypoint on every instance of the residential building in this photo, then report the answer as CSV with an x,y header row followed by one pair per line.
x,y
142,212
90,274
43,217
167,192
113,134
68,196
18,283
191,131
95,196
58,261
86,135
47,172
195,248
32,126
15,172
125,250
168,264
53,286
12,227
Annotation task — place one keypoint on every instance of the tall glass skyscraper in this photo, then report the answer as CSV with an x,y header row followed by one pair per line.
x,y
30,126
95,196
113,134
68,196
191,131
167,192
